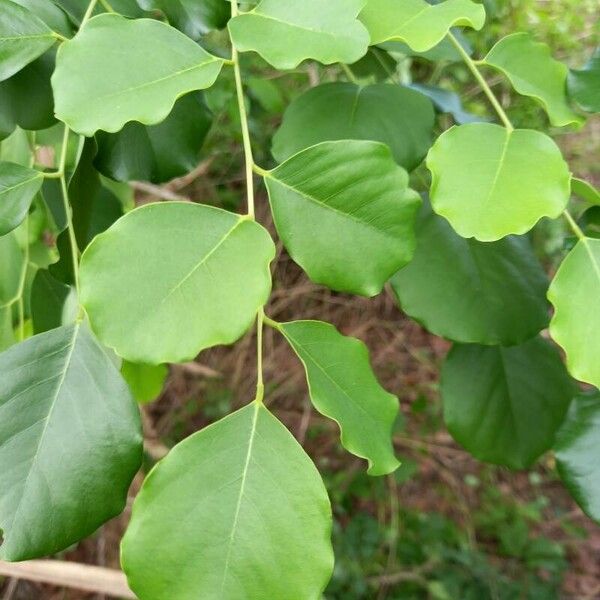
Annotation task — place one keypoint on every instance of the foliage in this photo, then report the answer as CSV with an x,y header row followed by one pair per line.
x,y
238,508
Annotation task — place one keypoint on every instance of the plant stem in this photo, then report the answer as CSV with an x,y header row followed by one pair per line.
x,y
472,65
249,159
573,224
107,6
349,74
88,13
67,208
260,385
21,301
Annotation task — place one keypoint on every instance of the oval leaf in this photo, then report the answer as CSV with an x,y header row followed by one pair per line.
x,y
158,153
234,506
472,292
199,276
577,449
70,451
417,23
489,181
504,405
151,77
533,72
391,114
575,325
18,187
345,214
285,32
343,387
23,37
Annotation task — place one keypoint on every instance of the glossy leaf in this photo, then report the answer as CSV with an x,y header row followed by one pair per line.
x,y
69,453
53,303
577,449
18,186
391,114
200,274
490,182
89,97
193,17
418,24
504,405
585,190
235,506
533,72
345,214
447,102
285,32
575,325
584,84
145,381
26,97
55,18
472,292
343,387
23,37
160,152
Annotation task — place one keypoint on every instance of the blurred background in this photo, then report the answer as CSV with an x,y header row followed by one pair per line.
x,y
443,527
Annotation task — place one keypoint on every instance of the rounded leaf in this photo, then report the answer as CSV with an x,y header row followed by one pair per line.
x,y
240,512
70,442
169,280
490,182
391,114
345,214
469,291
90,97
504,405
575,325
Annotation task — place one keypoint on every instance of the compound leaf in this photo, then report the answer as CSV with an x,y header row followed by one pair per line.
x,y
584,84
89,97
391,114
533,72
469,291
490,182
575,325
200,274
418,24
505,404
160,152
23,37
18,187
70,442
192,17
343,387
235,506
286,32
345,214
577,449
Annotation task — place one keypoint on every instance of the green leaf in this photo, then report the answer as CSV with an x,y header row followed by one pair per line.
x,y
533,72
145,381
575,325
345,214
447,102
11,261
239,510
53,303
89,97
70,442
285,32
199,276
49,13
192,17
489,293
489,181
158,153
343,387
417,23
584,85
23,37
7,334
577,449
391,114
26,97
18,186
504,405
585,190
